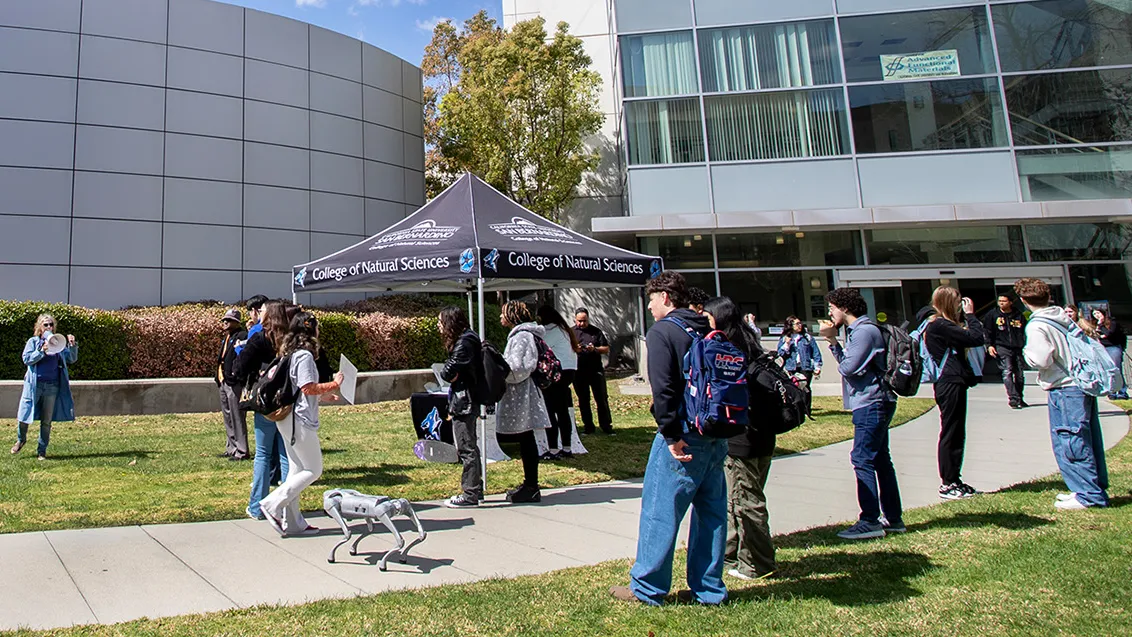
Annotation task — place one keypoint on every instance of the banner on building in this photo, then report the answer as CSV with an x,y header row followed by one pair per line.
x,y
919,65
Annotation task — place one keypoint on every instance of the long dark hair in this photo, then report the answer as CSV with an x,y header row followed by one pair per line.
x,y
729,320
788,326
453,323
547,315
302,333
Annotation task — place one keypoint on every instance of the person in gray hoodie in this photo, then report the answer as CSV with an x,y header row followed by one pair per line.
x,y
522,409
1074,423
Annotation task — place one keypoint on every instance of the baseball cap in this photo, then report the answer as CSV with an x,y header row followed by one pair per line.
x,y
232,315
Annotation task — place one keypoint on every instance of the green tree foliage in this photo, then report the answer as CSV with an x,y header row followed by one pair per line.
x,y
514,107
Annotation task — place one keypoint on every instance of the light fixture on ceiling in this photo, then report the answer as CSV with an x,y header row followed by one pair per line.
x,y
687,243
697,237
815,283
780,240
799,235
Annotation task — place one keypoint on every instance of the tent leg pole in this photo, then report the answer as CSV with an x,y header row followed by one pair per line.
x,y
295,298
483,408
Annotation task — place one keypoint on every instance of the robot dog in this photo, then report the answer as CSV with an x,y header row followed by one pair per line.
x,y
347,504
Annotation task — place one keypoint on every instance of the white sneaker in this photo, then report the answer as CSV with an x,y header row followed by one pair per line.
x,y
1069,505
1061,497
736,574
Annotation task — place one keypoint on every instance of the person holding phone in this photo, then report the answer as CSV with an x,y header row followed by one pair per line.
x,y
592,344
1111,334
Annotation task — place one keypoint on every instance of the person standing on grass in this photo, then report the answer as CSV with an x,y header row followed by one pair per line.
x,y
1006,336
562,341
696,299
750,550
591,373
862,362
522,409
800,353
463,371
46,393
300,428
1074,422
235,419
948,334
684,467
1111,334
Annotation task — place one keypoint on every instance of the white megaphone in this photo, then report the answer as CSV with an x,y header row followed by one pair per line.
x,y
55,342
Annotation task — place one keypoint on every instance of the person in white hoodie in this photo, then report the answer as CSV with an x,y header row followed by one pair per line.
x,y
1074,423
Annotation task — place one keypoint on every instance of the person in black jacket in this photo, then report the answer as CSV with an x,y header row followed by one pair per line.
x,y
235,419
750,551
684,468
462,371
1115,340
1006,337
953,329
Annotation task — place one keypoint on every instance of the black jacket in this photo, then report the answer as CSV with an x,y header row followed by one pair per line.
x,y
464,369
1005,331
667,343
227,357
752,443
256,355
1112,336
942,335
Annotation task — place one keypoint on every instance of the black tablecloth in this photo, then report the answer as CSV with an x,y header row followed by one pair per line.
x,y
421,405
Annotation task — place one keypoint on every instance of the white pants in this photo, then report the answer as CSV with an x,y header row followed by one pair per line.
x,y
305,458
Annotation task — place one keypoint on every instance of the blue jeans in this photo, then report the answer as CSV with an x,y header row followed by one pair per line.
x,y
268,447
45,394
1117,356
1078,445
877,489
670,487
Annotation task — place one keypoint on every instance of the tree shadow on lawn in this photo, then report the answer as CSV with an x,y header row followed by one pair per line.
x,y
827,535
844,579
1039,486
140,455
362,477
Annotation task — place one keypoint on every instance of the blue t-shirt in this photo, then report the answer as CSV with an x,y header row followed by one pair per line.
x,y
47,369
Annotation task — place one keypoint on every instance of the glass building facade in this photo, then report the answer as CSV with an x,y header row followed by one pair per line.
x,y
776,151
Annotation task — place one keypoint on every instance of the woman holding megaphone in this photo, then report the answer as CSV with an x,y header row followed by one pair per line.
x,y
47,388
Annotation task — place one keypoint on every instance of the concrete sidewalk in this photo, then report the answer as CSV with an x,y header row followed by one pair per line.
x,y
62,578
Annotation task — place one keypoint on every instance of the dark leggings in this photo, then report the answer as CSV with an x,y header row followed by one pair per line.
x,y
952,400
528,451
558,402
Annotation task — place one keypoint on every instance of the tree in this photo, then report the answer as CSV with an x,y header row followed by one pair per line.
x,y
514,107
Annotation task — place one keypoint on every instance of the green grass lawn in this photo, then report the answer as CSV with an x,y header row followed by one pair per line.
x,y
120,470
999,564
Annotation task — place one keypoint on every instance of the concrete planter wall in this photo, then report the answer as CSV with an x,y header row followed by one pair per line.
x,y
152,396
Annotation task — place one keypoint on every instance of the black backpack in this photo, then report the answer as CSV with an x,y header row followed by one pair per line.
x,y
903,366
778,404
495,372
273,394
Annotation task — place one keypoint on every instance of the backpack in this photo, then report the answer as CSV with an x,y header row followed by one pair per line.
x,y
715,398
904,360
495,372
273,393
548,370
774,395
1092,370
930,369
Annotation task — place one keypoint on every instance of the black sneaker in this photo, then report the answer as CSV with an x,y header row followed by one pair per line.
x,y
953,492
1022,403
565,455
524,494
968,489
548,456
1015,405
462,501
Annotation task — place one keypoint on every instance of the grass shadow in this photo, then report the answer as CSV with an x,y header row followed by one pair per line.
x,y
361,477
140,455
1006,520
844,579
1039,486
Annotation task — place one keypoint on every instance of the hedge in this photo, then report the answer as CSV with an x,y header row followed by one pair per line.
x,y
182,341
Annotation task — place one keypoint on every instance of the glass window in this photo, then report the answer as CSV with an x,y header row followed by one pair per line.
x,y
769,56
942,245
1079,241
776,125
691,251
1070,108
665,132
658,64
784,249
1103,283
895,45
1034,36
1075,172
941,115
773,296
703,280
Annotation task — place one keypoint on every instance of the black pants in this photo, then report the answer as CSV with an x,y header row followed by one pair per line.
x,y
952,400
528,451
583,383
558,400
467,449
809,375
1010,360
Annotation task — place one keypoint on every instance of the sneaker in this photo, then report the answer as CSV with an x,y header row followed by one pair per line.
x,y
862,531
310,530
275,523
893,527
16,447
565,454
524,494
624,594
1015,405
1022,403
248,512
1072,504
41,457
549,455
1066,496
968,489
953,492
462,501
737,574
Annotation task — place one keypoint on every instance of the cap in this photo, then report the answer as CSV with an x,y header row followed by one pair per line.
x,y
233,315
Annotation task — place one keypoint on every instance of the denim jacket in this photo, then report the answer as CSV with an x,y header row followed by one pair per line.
x,y
64,403
800,352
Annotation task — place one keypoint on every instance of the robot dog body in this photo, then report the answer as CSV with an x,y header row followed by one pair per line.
x,y
347,504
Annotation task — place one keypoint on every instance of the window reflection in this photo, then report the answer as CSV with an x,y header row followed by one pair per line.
x,y
658,64
1079,241
1059,34
1070,108
782,249
943,245
1076,172
691,251
769,56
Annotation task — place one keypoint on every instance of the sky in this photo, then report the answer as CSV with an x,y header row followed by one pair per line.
x,y
402,27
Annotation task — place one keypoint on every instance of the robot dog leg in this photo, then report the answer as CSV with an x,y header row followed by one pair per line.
x,y
400,507
344,504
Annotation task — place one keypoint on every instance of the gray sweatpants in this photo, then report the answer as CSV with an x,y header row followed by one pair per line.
x,y
235,422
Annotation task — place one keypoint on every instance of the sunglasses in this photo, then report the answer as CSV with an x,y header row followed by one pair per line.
x,y
48,325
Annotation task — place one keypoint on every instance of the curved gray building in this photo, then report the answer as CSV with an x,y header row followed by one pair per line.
x,y
158,151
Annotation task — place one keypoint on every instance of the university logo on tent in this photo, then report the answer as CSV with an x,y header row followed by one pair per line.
x,y
424,233
300,277
431,425
467,260
520,229
492,260
654,270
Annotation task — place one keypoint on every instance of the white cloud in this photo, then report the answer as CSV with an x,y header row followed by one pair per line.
x,y
310,3
428,26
